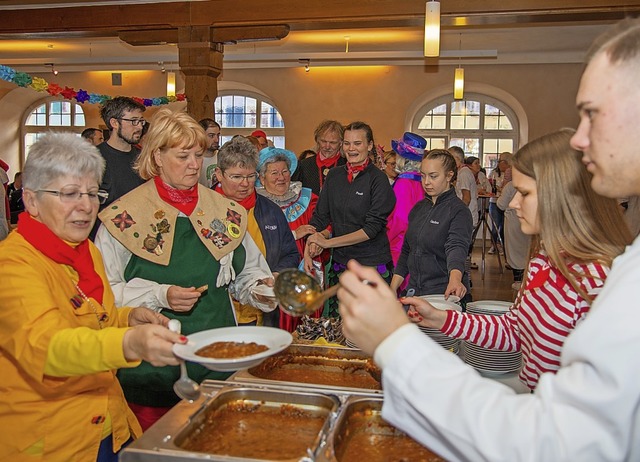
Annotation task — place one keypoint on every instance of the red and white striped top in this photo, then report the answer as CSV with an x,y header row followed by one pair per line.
x,y
548,310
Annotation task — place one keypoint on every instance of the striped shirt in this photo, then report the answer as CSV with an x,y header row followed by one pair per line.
x,y
547,312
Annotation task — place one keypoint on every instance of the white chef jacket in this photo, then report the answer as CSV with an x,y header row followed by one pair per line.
x,y
588,411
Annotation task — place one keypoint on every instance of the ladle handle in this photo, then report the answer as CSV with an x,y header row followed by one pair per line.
x,y
331,291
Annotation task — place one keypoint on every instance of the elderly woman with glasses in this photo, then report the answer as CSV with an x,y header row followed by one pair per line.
x,y
236,173
297,203
62,338
178,247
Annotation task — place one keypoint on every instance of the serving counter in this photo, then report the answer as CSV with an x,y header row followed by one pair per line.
x,y
274,411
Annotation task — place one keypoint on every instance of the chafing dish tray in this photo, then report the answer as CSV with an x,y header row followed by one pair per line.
x,y
233,423
317,367
359,433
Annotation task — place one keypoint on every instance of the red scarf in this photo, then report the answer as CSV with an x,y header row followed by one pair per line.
x,y
324,165
351,170
248,203
184,200
79,257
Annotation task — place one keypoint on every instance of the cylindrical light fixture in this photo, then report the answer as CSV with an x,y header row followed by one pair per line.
x,y
432,29
171,83
458,84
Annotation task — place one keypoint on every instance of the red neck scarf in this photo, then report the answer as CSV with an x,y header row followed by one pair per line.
x,y
351,170
79,258
248,203
184,200
324,165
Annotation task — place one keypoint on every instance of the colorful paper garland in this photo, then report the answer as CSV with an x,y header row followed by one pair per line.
x,y
22,79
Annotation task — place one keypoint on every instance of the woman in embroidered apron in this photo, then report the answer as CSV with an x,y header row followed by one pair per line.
x,y
576,234
297,203
175,246
61,336
356,201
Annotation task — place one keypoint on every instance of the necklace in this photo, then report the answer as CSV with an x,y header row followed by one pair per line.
x,y
99,318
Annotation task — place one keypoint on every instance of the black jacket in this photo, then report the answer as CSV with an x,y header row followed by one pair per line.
x,y
364,204
437,241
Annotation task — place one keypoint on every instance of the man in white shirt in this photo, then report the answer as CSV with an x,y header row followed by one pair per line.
x,y
466,187
590,409
467,191
210,158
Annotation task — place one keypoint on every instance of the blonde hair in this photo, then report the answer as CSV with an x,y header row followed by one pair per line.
x,y
506,156
576,224
168,130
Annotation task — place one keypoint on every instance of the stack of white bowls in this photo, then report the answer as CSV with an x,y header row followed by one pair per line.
x,y
485,360
438,301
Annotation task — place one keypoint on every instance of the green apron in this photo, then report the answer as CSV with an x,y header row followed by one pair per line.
x,y
191,266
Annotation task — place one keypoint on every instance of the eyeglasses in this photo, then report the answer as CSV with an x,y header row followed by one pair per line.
x,y
134,122
238,178
73,195
275,174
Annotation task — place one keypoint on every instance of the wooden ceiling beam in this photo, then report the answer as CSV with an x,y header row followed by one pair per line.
x,y
112,18
226,35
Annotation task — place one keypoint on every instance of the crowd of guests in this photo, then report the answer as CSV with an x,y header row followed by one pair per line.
x,y
119,237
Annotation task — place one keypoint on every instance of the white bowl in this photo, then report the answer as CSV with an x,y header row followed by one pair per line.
x,y
275,339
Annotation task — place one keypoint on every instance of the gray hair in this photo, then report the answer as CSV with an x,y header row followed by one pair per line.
x,y
271,160
457,152
404,165
238,152
61,154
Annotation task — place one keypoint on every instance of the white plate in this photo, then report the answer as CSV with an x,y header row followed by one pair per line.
x,y
440,298
275,339
441,304
265,290
491,305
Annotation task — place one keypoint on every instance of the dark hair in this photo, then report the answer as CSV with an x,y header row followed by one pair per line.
x,y
470,160
373,154
444,156
206,123
306,153
88,133
116,107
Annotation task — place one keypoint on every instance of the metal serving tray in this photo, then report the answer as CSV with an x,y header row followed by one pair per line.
x,y
304,358
164,440
360,433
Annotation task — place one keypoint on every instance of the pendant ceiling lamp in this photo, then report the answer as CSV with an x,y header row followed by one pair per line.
x,y
458,80
432,29
171,83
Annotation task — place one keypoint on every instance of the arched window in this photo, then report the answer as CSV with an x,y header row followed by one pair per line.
x,y
54,115
482,126
240,113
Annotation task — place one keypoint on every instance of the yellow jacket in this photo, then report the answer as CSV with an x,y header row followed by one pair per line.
x,y
57,418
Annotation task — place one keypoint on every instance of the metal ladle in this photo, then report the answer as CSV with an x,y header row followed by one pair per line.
x,y
184,387
299,293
